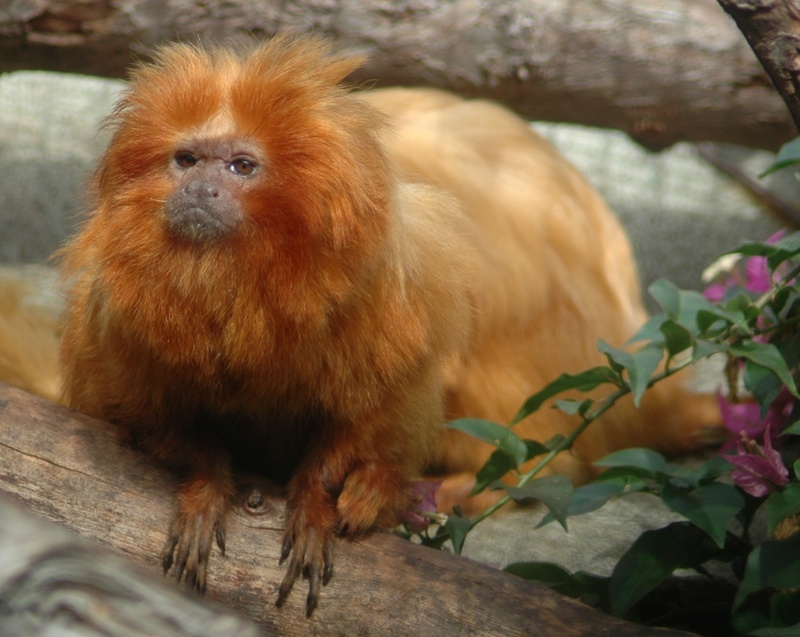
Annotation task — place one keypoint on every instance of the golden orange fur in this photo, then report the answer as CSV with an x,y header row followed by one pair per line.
x,y
29,331
397,257
554,272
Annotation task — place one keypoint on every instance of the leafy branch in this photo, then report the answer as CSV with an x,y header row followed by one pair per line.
x,y
750,314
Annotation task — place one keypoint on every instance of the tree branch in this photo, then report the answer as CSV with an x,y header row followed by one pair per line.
x,y
772,28
663,72
71,469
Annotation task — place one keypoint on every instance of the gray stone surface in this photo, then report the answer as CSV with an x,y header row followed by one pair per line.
x,y
49,140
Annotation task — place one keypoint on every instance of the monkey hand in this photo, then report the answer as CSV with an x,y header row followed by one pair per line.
x,y
369,496
198,523
308,545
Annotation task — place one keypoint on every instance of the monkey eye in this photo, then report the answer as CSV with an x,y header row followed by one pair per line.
x,y
185,160
242,167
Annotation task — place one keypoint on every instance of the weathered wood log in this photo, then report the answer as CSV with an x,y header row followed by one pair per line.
x,y
71,469
772,28
54,582
661,70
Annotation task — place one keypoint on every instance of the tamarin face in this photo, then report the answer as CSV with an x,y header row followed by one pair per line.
x,y
209,151
212,178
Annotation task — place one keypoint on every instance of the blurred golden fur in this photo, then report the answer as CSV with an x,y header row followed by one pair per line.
x,y
29,330
554,273
400,257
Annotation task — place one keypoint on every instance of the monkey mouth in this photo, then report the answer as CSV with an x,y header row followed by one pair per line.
x,y
195,223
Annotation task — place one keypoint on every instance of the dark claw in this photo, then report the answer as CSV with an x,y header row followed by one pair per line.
x,y
288,582
314,583
286,549
169,550
319,573
327,572
221,539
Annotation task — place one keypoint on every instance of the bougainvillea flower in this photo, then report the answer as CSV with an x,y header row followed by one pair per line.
x,y
745,417
423,510
758,470
716,291
741,417
757,276
727,272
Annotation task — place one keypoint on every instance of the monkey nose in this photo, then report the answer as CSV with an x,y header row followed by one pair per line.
x,y
201,190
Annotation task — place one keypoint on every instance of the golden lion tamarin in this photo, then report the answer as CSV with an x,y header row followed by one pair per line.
x,y
280,274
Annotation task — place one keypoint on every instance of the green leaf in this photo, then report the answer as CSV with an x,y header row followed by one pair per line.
x,y
788,155
704,349
681,306
649,463
782,504
457,528
583,382
762,383
774,564
592,496
765,355
787,247
712,323
789,243
576,585
534,448
793,429
497,435
572,407
652,558
710,470
640,365
785,607
650,331
712,507
498,465
551,575
554,491
785,631
677,338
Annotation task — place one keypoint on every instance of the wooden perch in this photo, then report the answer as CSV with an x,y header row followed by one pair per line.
x,y
662,71
54,582
773,31
71,469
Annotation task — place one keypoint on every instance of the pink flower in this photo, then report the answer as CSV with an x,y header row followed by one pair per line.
x,y
716,291
745,417
728,272
423,510
758,470
741,418
756,275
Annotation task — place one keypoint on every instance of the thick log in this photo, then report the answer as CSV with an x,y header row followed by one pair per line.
x,y
54,582
71,469
772,28
661,70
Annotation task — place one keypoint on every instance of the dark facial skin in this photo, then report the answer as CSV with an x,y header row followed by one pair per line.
x,y
212,177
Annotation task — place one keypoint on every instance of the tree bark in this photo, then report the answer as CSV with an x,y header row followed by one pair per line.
x,y
772,28
70,469
661,70
54,582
